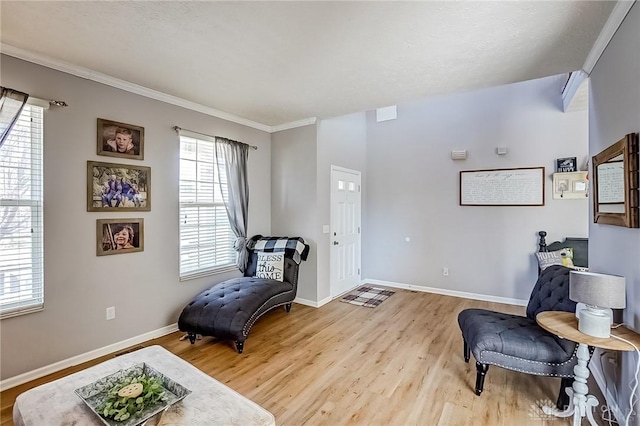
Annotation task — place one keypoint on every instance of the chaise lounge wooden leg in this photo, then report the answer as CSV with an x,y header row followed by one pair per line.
x,y
467,352
239,346
192,337
563,397
481,372
288,307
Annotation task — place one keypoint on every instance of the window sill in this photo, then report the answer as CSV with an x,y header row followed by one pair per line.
x,y
24,311
208,272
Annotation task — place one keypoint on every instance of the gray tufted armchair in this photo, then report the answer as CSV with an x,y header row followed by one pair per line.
x,y
518,343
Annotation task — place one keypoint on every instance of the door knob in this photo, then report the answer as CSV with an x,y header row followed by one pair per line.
x,y
335,243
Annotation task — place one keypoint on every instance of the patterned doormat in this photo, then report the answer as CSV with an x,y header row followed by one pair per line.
x,y
366,296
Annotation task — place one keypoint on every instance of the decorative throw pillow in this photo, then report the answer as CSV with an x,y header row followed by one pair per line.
x,y
270,265
559,257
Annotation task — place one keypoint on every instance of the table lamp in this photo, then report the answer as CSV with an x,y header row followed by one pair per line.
x,y
598,292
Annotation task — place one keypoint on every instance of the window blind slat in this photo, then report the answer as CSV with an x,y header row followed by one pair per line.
x,y
206,238
21,220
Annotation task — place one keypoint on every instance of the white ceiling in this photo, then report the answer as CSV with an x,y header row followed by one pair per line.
x,y
280,62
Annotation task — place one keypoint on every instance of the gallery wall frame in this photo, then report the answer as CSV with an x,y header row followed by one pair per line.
x,y
122,140
118,187
119,236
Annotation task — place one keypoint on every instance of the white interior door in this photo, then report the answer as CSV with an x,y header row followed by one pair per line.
x,y
345,230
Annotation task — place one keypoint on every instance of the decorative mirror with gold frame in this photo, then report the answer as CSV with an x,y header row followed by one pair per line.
x,y
615,184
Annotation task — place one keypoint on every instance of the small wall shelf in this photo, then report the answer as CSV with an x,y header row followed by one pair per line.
x,y
570,185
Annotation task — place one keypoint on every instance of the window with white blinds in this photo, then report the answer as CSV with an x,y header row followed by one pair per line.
x,y
206,238
21,229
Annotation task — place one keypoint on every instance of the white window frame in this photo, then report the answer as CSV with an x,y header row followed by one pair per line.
x,y
31,288
203,267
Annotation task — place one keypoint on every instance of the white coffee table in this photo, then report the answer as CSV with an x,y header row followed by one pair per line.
x,y
210,403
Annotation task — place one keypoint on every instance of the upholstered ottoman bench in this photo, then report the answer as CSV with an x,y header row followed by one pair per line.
x,y
210,402
229,309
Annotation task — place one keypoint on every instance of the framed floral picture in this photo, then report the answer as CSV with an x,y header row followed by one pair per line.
x,y
118,187
120,140
118,236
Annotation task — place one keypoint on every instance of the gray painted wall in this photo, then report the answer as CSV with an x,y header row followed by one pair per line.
x,y
412,188
342,141
144,286
293,197
301,164
614,112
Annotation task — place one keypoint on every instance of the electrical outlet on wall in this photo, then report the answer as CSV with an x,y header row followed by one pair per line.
x,y
111,312
445,271
612,358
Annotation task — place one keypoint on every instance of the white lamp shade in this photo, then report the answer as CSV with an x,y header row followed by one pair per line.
x,y
606,291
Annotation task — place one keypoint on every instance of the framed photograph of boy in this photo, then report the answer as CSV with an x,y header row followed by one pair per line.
x,y
118,187
118,236
120,140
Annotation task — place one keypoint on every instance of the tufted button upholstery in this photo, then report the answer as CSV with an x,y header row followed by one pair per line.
x,y
519,343
229,309
551,292
223,311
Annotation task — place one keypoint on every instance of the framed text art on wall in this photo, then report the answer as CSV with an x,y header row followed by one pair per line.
x,y
118,187
502,187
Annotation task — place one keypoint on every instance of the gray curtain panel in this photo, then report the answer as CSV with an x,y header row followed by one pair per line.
x,y
236,202
11,104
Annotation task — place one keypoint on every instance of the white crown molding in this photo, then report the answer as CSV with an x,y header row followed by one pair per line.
x,y
571,88
619,12
445,292
293,124
87,356
89,74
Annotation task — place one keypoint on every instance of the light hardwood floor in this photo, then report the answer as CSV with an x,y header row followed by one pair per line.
x,y
398,364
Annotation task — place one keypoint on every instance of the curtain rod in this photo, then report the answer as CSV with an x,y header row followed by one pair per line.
x,y
33,100
178,128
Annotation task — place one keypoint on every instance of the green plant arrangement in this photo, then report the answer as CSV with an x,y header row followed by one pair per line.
x,y
132,396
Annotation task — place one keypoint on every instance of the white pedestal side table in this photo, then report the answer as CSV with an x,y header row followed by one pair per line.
x,y
565,325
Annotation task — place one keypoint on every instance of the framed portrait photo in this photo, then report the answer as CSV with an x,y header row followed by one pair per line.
x,y
119,236
120,140
118,187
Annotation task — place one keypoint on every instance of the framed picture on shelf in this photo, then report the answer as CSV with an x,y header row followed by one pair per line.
x,y
118,187
120,140
568,164
119,236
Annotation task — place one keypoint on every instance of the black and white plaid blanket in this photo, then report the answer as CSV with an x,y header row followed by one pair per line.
x,y
295,248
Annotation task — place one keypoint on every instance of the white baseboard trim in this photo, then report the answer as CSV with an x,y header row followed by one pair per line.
x,y
87,356
324,301
312,303
455,293
610,398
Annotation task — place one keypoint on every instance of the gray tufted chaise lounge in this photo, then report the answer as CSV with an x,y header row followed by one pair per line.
x,y
519,343
229,309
